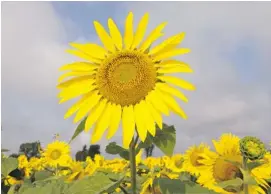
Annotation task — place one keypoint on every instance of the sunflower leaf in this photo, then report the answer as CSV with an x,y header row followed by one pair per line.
x,y
165,139
234,184
114,149
254,164
79,129
175,186
8,165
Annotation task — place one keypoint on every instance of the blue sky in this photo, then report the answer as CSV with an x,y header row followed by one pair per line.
x,y
230,57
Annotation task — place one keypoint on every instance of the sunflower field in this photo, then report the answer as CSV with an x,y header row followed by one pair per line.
x,y
199,169
130,83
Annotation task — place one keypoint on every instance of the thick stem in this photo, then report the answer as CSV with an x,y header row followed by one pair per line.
x,y
245,168
133,164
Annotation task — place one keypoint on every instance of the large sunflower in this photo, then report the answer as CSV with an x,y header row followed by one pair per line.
x,y
125,80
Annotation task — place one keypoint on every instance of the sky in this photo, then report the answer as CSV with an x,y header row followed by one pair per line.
x,y
230,44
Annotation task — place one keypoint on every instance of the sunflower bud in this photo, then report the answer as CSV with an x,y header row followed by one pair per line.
x,y
252,148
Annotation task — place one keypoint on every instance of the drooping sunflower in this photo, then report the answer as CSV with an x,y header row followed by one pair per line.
x,y
57,153
125,80
224,165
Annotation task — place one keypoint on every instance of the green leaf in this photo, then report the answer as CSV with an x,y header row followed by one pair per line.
x,y
111,188
114,149
234,184
165,139
90,185
8,165
175,186
247,178
42,175
254,164
79,129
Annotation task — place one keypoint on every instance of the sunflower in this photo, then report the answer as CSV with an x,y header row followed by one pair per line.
x,y
224,165
192,159
57,153
77,171
124,81
176,163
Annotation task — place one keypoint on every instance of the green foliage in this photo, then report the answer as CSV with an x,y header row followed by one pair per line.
x,y
175,186
91,185
8,165
42,175
164,139
30,150
114,149
232,185
79,129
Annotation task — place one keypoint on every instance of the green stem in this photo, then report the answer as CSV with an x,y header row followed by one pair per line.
x,y
133,163
245,168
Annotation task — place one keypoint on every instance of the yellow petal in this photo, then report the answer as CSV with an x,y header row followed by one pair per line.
x,y
173,105
149,121
128,33
172,91
115,33
74,81
95,114
90,49
172,53
141,29
70,93
175,69
102,124
128,125
155,114
83,56
74,73
168,44
76,105
155,98
115,120
79,66
104,37
177,81
171,62
154,35
87,106
140,121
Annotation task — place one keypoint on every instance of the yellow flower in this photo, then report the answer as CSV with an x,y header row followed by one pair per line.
x,y
37,164
223,165
176,163
23,162
24,165
192,159
9,180
125,81
77,171
57,153
262,173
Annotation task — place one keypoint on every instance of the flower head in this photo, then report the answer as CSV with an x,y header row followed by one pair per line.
x,y
57,153
125,81
252,148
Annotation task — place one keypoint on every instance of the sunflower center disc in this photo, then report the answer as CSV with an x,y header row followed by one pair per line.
x,y
55,154
224,171
126,77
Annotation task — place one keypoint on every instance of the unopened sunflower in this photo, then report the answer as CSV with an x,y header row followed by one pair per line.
x,y
125,81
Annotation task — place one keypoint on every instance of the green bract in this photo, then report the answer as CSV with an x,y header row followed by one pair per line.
x,y
252,148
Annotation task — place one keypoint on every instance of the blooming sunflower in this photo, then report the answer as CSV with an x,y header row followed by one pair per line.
x,y
77,171
57,153
192,159
125,80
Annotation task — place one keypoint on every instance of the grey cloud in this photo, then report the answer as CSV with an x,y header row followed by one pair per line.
x,y
32,51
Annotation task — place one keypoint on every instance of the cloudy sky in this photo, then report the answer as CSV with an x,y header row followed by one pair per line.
x,y
230,43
